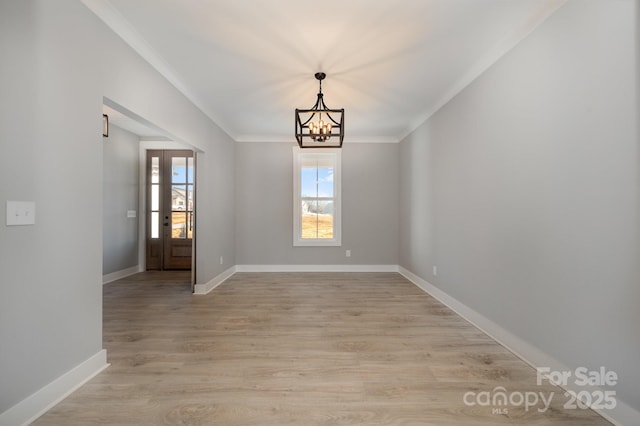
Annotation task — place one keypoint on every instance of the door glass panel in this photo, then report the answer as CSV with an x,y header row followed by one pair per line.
x,y
179,170
155,169
190,197
155,197
179,225
178,197
155,225
190,170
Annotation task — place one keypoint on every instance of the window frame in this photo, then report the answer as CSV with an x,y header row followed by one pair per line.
x,y
298,157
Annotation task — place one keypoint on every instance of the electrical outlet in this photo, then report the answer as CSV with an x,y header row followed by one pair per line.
x,y
221,260
348,253
435,270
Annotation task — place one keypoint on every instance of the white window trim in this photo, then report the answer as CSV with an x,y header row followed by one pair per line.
x,y
336,241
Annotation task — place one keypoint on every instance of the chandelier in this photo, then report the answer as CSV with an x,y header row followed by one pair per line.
x,y
319,126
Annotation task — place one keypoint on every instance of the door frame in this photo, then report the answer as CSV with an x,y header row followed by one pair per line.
x,y
144,146
172,252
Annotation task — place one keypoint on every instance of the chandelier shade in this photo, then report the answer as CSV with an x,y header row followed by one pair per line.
x,y
319,126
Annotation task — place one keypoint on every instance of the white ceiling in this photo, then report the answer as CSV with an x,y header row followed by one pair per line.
x,y
248,64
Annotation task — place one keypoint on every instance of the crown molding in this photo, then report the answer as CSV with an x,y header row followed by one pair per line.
x,y
484,63
104,10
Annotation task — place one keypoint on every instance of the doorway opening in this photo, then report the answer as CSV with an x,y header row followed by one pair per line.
x,y
124,154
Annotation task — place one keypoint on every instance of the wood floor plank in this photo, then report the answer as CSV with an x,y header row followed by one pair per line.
x,y
297,349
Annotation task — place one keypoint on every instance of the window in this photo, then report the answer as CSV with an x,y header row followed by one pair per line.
x,y
316,197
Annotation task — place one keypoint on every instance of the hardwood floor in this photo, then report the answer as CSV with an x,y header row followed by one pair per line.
x,y
298,349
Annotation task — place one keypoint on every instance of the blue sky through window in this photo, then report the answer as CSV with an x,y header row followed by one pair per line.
x,y
317,182
179,174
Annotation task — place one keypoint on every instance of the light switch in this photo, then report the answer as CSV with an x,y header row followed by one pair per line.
x,y
21,213
131,213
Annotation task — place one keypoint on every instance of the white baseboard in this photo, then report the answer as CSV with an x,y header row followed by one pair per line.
x,y
120,274
201,289
316,268
29,409
519,347
622,414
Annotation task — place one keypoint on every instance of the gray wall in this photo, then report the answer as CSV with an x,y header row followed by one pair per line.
x,y
523,190
215,198
119,194
58,62
264,207
416,238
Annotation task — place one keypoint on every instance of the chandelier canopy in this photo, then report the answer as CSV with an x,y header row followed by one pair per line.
x,y
320,126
